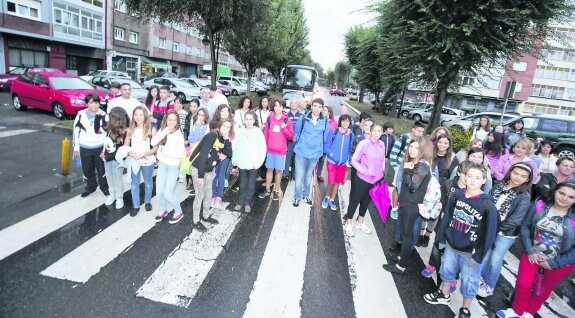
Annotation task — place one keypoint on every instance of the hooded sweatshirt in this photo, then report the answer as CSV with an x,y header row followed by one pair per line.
x,y
277,137
469,225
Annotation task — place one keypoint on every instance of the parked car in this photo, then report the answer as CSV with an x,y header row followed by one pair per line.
x,y
7,79
558,129
103,83
469,121
162,74
425,114
237,89
92,74
206,82
259,87
337,92
407,107
184,90
353,94
61,93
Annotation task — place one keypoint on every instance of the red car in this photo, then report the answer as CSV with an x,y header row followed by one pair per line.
x,y
7,79
222,89
337,92
61,93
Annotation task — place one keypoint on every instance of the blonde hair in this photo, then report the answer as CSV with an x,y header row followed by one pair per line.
x,y
524,143
435,133
147,125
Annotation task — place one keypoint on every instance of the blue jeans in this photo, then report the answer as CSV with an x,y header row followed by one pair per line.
x,y
303,173
289,157
166,181
220,178
147,171
493,260
453,263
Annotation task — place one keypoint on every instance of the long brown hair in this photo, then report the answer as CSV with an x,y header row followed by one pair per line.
x,y
147,124
117,125
448,154
425,151
165,124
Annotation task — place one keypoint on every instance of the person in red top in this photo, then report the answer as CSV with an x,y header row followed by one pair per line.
x,y
278,130
161,106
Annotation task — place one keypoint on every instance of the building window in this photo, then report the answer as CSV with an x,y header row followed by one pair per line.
x,y
19,57
118,34
468,81
176,47
134,37
97,3
71,62
81,23
119,5
520,66
162,43
25,9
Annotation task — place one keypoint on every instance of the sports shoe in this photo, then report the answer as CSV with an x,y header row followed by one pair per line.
x,y
119,204
508,313
212,202
295,203
237,207
348,229
362,226
437,298
276,196
308,201
395,246
324,203
424,241
484,290
193,192
176,218
161,216
394,214
134,211
109,200
106,192
265,194
218,204
148,207
199,227
247,208
453,287
87,193
419,241
464,313
428,271
332,205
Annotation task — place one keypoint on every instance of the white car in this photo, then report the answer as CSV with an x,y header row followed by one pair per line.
x,y
184,89
91,75
472,120
237,89
425,114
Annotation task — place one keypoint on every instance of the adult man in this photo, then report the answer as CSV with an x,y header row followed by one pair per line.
x,y
302,105
126,101
310,134
210,100
294,115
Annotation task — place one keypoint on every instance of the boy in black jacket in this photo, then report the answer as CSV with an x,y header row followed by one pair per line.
x,y
467,231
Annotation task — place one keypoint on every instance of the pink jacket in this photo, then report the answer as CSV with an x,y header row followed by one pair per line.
x,y
369,160
277,137
332,124
506,161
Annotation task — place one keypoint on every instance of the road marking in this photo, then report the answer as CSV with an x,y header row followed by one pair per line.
x,y
177,280
16,132
278,288
89,258
373,294
2,127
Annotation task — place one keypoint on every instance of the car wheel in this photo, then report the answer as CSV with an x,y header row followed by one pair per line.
x,y
182,96
58,110
417,117
17,103
405,113
566,152
234,92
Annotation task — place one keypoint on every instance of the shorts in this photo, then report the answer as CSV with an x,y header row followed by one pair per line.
x,y
274,161
453,263
335,173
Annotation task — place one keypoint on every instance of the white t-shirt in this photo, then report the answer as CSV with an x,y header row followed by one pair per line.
x,y
213,104
127,104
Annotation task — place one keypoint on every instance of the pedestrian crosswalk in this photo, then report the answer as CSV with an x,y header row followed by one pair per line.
x,y
196,269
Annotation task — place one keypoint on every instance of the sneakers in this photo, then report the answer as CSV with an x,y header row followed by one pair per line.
x,y
437,298
332,205
199,227
247,208
419,240
237,207
212,203
508,313
424,241
308,201
324,203
218,203
119,204
428,271
395,246
276,196
484,290
148,207
265,194
87,193
295,203
348,229
134,211
193,192
464,313
363,227
161,216
453,287
109,200
394,214
176,218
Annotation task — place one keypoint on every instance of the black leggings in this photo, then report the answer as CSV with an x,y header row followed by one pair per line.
x,y
407,217
359,195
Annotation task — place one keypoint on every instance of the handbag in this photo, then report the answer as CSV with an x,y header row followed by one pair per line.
x,y
379,194
185,162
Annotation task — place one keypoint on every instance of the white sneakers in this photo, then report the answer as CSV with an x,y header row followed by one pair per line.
x,y
510,313
348,229
110,200
119,203
362,226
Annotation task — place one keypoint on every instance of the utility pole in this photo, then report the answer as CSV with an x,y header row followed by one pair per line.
x,y
509,92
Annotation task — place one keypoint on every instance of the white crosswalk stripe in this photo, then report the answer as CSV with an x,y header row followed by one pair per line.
x,y
16,132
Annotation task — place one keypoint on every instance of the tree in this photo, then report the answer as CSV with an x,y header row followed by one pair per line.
x,y
433,41
342,73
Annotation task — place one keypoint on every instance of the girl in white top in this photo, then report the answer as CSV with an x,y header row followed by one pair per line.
x,y
171,149
548,160
482,130
138,138
263,112
244,106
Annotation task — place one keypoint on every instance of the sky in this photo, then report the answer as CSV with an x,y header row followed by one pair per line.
x,y
328,21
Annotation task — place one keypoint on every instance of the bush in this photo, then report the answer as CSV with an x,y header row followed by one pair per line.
x,y
461,137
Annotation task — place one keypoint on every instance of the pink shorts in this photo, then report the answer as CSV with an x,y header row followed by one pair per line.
x,y
335,173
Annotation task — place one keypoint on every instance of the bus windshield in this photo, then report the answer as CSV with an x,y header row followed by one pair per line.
x,y
297,78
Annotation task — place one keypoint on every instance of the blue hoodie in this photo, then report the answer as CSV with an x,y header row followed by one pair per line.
x,y
337,146
310,139
469,224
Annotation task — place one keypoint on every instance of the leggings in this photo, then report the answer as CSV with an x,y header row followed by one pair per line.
x,y
359,195
408,216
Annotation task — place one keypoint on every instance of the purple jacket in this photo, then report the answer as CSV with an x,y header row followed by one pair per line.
x,y
506,161
369,160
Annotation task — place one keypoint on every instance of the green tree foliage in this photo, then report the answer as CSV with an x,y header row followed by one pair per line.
x,y
432,41
342,73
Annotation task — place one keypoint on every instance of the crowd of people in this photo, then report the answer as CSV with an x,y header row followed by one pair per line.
x,y
501,187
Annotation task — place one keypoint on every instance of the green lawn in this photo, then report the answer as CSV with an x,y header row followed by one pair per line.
x,y
402,125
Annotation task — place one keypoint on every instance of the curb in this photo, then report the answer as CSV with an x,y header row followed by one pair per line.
x,y
55,128
351,107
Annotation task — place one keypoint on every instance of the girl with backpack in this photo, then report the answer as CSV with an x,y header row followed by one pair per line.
x,y
512,198
117,126
548,237
336,148
416,176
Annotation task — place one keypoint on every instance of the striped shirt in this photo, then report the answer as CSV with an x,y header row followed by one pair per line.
x,y
396,155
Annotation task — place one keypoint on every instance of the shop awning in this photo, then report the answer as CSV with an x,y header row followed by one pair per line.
x,y
156,63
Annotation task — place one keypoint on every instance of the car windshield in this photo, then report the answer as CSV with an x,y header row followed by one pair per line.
x,y
133,84
93,73
65,83
181,83
17,70
242,81
203,82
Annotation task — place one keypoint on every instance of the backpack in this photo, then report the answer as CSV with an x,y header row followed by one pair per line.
x,y
432,199
268,121
303,124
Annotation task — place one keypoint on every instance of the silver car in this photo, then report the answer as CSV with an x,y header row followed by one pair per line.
x,y
103,83
425,114
183,88
472,120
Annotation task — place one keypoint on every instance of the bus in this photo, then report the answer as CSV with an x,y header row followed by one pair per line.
x,y
299,78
